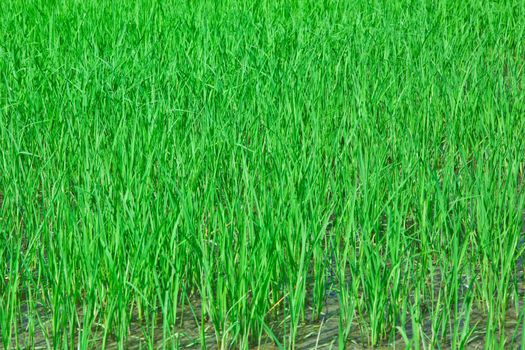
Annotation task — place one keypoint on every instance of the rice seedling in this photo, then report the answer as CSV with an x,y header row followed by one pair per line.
x,y
240,174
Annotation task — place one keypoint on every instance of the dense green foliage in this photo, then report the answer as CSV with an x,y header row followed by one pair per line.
x,y
256,158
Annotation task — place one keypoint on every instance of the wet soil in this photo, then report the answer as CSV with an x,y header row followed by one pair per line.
x,y
319,333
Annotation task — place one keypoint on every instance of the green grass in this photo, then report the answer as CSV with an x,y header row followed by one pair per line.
x,y
247,160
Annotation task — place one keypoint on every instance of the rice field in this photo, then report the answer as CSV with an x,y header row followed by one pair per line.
x,y
262,174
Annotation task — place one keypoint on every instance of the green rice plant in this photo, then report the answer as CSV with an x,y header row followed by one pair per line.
x,y
240,174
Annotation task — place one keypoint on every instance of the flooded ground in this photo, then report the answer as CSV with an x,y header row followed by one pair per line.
x,y
314,333
319,334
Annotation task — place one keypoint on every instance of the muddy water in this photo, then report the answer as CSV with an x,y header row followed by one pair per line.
x,y
321,333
